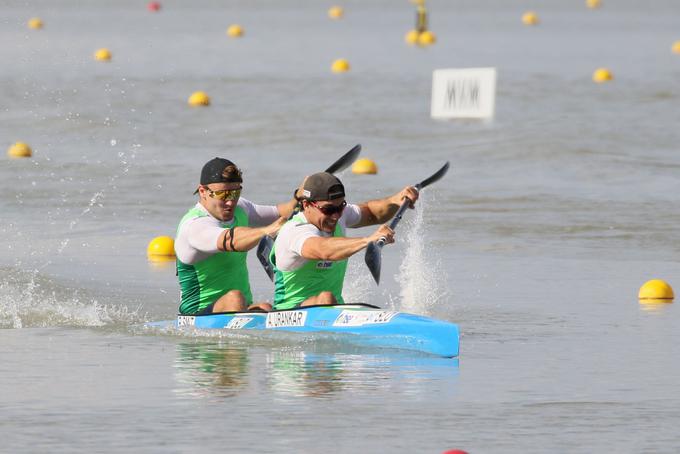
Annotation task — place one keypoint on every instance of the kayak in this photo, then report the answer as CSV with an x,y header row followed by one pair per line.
x,y
363,324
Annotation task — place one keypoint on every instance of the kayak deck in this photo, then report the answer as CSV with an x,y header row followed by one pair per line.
x,y
369,326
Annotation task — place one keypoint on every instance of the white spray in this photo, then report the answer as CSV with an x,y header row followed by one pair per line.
x,y
421,278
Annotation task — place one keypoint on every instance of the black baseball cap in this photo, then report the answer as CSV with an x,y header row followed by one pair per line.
x,y
214,171
322,186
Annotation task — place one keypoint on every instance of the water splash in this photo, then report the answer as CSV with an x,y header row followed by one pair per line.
x,y
30,300
359,285
421,277
126,162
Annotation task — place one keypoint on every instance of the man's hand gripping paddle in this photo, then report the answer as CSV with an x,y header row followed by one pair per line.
x,y
267,243
373,257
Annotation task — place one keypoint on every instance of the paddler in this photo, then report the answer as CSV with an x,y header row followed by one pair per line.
x,y
213,238
311,251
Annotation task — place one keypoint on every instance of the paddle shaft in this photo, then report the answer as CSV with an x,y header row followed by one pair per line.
x,y
400,212
373,249
395,220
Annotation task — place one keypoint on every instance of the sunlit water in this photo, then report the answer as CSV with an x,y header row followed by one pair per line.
x,y
535,243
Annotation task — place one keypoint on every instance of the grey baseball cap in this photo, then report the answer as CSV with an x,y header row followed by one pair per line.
x,y
322,186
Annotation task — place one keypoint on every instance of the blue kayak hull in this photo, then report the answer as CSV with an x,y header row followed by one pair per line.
x,y
368,325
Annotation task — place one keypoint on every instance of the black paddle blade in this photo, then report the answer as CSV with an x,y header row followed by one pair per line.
x,y
345,160
374,260
264,247
437,175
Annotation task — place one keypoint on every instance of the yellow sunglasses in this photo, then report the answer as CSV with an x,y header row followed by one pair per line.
x,y
224,194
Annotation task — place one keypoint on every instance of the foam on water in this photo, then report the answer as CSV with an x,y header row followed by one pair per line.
x,y
28,299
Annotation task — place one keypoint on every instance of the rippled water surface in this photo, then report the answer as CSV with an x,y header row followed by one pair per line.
x,y
535,243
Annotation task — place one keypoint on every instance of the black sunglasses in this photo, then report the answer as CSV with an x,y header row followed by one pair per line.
x,y
330,209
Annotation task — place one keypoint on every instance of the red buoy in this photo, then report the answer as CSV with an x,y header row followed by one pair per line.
x,y
455,451
154,6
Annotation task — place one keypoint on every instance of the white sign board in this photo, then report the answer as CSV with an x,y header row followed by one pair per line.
x,y
463,93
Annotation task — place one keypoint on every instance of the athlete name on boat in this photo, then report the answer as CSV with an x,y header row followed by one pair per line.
x,y
238,322
360,318
185,320
287,318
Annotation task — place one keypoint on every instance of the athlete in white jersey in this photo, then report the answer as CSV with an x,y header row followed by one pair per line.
x,y
310,254
213,238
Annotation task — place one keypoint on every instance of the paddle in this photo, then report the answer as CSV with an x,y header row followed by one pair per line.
x,y
373,257
267,243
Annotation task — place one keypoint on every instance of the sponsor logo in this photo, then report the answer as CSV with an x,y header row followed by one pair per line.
x,y
360,318
238,322
324,264
185,320
287,318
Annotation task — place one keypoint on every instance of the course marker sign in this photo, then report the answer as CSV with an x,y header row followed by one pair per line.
x,y
463,93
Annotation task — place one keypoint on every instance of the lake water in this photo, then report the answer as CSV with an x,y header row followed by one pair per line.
x,y
535,243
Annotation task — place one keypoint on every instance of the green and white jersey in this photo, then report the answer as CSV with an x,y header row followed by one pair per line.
x,y
297,278
204,272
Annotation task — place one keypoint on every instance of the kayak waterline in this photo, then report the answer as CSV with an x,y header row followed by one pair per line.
x,y
364,324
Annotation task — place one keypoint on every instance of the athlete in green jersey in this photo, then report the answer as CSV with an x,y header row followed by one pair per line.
x,y
311,251
213,238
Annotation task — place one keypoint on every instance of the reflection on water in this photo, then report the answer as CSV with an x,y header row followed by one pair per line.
x,y
656,306
161,264
224,370
302,373
298,373
210,369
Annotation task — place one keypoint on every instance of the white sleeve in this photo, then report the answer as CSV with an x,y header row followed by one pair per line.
x,y
202,234
300,235
351,215
288,245
259,215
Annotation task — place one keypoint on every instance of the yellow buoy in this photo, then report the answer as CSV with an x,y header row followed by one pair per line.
x,y
336,12
160,248
102,54
35,23
235,31
426,38
199,98
530,18
602,75
340,66
411,37
364,166
593,3
676,47
19,150
656,291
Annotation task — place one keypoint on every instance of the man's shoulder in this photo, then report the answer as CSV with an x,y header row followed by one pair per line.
x,y
351,216
197,215
299,222
196,211
295,228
